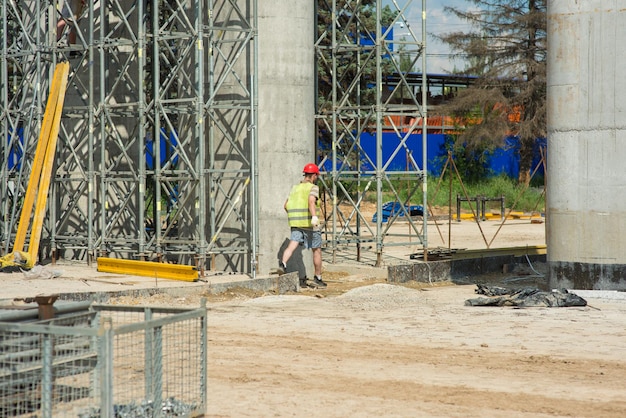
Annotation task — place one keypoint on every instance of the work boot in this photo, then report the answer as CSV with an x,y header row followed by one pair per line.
x,y
282,267
317,282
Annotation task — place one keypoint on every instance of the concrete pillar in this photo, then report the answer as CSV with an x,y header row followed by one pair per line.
x,y
586,200
286,88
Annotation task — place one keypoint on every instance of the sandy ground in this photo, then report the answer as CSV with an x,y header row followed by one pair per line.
x,y
366,348
406,351
486,234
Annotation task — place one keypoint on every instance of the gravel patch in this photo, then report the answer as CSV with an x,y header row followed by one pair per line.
x,y
378,296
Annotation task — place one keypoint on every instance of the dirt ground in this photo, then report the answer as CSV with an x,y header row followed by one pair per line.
x,y
365,348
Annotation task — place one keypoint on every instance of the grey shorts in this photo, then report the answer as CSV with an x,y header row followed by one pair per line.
x,y
307,237
77,8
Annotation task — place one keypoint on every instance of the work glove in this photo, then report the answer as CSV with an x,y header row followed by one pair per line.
x,y
315,221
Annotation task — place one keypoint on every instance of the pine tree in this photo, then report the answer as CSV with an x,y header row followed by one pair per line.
x,y
506,48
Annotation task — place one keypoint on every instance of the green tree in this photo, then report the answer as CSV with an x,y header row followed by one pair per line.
x,y
351,65
506,48
355,23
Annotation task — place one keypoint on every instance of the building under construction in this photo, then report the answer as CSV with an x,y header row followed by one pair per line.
x,y
185,123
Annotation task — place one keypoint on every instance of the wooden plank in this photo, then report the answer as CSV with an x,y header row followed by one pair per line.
x,y
48,163
57,86
492,252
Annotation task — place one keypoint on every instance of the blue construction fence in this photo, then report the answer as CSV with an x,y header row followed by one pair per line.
x,y
503,160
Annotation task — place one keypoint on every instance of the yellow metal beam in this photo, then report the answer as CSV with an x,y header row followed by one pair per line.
x,y
147,269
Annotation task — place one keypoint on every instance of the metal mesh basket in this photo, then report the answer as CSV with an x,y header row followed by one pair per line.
x,y
111,361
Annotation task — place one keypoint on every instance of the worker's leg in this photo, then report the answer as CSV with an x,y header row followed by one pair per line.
x,y
65,16
316,248
317,261
77,11
289,251
60,28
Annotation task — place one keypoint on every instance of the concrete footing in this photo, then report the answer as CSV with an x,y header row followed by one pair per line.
x,y
575,275
453,270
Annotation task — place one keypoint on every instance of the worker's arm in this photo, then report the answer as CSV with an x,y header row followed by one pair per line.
x,y
313,210
285,205
312,207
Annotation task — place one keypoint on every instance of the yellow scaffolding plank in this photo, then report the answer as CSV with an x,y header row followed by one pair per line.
x,y
49,129
147,269
48,164
36,195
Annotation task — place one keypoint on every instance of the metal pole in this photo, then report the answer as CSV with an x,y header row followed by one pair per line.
x,y
141,73
424,135
156,137
148,361
4,131
106,360
334,125
157,356
379,136
199,126
211,128
203,353
103,134
46,378
254,168
91,245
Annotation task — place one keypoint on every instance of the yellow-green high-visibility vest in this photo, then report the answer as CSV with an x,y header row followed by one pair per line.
x,y
298,206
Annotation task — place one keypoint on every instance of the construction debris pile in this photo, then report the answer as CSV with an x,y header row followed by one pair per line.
x,y
524,297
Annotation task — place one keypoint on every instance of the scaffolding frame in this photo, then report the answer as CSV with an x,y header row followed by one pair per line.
x,y
348,51
157,144
157,156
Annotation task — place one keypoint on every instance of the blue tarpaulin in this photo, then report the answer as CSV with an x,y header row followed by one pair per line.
x,y
391,209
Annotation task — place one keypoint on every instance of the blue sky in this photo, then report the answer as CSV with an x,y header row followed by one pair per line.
x,y
437,22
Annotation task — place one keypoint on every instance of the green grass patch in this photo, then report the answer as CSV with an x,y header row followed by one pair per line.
x,y
444,193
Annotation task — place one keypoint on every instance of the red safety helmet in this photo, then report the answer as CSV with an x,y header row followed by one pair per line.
x,y
311,168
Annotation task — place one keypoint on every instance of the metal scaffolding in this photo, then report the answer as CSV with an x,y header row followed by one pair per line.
x,y
157,149
157,143
356,50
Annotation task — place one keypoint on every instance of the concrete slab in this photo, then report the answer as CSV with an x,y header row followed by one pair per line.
x,y
80,282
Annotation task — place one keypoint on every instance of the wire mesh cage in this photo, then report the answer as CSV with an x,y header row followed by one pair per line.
x,y
111,361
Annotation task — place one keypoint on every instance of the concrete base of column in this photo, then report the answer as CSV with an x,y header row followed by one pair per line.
x,y
575,275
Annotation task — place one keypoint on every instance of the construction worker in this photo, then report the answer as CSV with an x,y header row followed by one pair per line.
x,y
302,208
70,11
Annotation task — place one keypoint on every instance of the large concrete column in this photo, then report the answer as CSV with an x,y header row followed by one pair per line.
x,y
286,114
586,198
